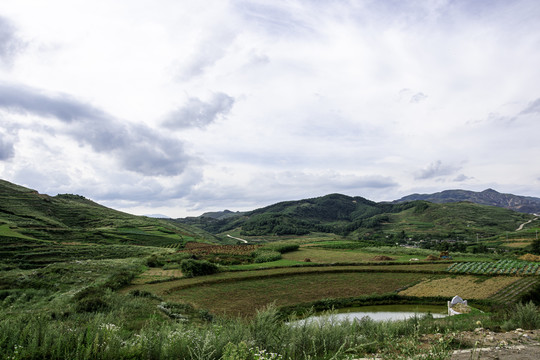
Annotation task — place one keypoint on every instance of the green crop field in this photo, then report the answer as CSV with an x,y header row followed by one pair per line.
x,y
245,297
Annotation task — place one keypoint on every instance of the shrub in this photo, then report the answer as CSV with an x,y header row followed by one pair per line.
x,y
92,304
119,279
262,256
153,261
90,299
143,293
190,267
524,316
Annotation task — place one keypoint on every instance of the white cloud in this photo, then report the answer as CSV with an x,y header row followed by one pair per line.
x,y
199,113
235,104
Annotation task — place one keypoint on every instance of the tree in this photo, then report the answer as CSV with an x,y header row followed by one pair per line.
x,y
535,247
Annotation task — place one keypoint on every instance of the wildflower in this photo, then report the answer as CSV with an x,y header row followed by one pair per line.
x,y
109,327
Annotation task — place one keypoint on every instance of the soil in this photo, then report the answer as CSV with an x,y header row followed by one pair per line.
x,y
485,344
382,258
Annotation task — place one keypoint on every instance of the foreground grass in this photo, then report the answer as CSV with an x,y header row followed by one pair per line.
x,y
107,335
104,336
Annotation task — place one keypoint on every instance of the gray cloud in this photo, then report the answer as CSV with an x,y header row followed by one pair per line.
x,y
532,108
462,177
10,45
434,170
197,113
210,51
413,97
418,97
6,149
137,147
63,107
278,19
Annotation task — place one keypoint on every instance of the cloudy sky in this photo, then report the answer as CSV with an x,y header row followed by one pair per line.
x,y
181,107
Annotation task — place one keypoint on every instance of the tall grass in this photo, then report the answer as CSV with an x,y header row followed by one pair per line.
x,y
266,336
525,316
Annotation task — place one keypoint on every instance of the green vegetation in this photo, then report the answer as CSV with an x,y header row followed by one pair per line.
x,y
80,281
367,221
192,267
525,316
66,218
508,267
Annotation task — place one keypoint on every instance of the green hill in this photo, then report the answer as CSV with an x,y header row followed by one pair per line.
x,y
28,218
357,217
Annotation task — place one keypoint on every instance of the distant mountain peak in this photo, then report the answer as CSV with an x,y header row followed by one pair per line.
x,y
524,204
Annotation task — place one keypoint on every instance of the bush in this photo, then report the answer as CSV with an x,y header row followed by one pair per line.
x,y
262,256
524,316
190,267
90,299
92,304
154,262
119,279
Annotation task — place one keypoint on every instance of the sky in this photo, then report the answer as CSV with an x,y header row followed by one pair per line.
x,y
182,107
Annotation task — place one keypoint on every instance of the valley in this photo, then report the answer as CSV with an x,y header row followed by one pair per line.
x,y
81,281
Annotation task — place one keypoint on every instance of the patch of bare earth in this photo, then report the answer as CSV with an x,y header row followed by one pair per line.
x,y
485,344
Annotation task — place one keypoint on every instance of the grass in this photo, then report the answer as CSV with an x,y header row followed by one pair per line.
x,y
106,336
399,254
271,264
29,253
7,231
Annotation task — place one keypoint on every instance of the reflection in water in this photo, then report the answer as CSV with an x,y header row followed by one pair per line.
x,y
386,312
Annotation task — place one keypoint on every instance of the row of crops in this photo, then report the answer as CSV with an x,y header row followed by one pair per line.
x,y
501,267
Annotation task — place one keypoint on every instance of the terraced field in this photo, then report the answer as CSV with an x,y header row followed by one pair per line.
x,y
29,253
246,296
501,267
156,274
466,286
512,292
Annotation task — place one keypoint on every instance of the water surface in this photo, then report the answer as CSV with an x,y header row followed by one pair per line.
x,y
387,312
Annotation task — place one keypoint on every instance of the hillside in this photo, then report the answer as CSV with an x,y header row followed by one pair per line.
x,y
357,217
27,214
524,204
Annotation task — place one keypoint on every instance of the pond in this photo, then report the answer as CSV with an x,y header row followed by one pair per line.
x,y
387,312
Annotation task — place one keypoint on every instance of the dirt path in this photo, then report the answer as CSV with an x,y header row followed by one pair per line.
x,y
519,352
525,223
513,345
235,238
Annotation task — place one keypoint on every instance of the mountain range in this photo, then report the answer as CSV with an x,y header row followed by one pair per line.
x,y
360,218
524,204
29,215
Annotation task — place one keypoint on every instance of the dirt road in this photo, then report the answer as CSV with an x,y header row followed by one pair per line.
x,y
525,223
512,345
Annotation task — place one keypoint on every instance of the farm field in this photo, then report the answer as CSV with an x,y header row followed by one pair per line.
x,y
327,256
157,274
161,288
245,297
506,267
468,287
